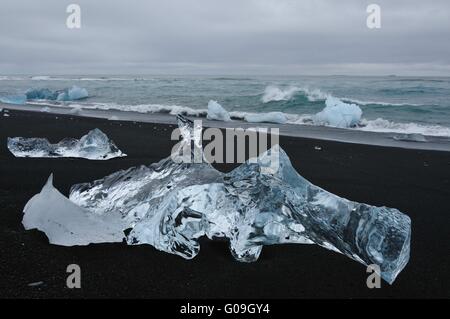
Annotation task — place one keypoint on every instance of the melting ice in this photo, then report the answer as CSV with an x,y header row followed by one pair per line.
x,y
95,146
171,204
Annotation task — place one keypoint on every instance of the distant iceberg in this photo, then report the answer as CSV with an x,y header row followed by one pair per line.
x,y
13,99
171,204
94,146
217,112
338,114
70,94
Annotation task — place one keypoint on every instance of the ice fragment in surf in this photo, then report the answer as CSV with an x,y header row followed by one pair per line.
x,y
413,137
70,94
217,112
338,114
171,205
95,146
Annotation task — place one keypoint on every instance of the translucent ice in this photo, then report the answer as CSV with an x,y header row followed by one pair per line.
x,y
14,99
67,224
70,94
338,114
95,146
217,112
74,93
171,204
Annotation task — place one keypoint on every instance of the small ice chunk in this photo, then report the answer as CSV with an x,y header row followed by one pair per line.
x,y
35,284
16,99
75,110
67,224
413,137
270,117
338,114
217,112
74,93
41,94
95,146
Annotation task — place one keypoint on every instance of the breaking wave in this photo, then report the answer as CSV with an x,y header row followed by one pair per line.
x,y
291,93
337,112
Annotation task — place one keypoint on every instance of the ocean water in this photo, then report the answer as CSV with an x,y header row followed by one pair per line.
x,y
388,104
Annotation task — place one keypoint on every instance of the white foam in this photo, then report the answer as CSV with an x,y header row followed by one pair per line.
x,y
146,108
41,78
382,125
217,112
345,99
271,117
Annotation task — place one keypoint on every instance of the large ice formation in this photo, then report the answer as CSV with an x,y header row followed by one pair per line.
x,y
338,114
95,146
171,204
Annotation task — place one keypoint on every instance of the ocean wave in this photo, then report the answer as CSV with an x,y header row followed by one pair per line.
x,y
145,108
376,125
276,94
360,102
386,126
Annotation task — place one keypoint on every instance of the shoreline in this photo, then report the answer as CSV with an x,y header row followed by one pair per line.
x,y
435,143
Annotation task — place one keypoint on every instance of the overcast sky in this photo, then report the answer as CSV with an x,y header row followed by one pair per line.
x,y
225,37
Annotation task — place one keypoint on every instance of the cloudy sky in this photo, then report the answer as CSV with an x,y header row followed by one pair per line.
x,y
225,37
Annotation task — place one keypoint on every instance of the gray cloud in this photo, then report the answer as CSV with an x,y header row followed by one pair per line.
x,y
225,36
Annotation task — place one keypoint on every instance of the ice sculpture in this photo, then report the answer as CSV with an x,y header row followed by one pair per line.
x,y
171,204
95,146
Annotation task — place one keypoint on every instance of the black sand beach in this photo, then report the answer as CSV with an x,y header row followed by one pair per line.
x,y
417,182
